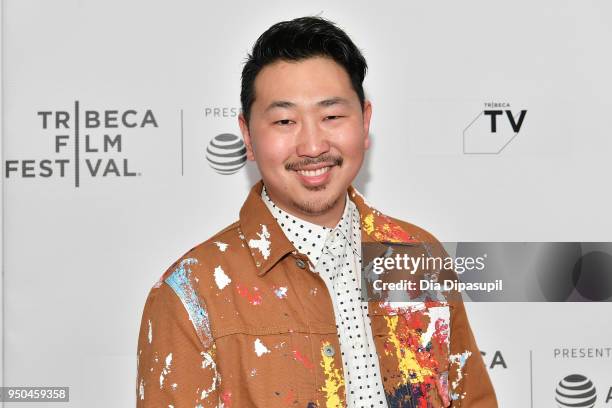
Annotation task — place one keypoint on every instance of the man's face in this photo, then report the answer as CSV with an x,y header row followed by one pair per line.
x,y
308,135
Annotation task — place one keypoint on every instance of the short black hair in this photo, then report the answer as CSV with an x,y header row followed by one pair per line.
x,y
296,40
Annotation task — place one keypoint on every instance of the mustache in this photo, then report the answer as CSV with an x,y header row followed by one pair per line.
x,y
325,158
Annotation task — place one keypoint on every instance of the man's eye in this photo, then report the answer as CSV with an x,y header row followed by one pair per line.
x,y
282,122
333,117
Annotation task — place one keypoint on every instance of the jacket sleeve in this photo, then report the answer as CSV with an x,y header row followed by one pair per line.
x,y
469,382
174,368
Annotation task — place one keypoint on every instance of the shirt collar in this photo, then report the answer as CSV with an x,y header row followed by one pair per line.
x,y
299,231
267,242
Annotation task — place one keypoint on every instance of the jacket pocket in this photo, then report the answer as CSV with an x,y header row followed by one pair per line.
x,y
412,340
256,366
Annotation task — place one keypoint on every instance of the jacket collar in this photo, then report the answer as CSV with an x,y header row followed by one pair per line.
x,y
268,244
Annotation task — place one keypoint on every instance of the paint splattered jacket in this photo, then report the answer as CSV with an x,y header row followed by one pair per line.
x,y
241,321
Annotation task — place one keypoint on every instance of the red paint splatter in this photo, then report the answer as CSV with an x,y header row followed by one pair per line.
x,y
302,359
253,298
389,231
423,398
289,398
442,385
411,325
226,397
441,332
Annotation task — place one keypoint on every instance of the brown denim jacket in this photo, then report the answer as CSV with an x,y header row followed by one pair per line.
x,y
241,320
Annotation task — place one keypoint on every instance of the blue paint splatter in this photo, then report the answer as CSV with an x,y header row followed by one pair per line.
x,y
180,282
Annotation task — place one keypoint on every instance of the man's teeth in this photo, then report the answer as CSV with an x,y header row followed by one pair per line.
x,y
314,173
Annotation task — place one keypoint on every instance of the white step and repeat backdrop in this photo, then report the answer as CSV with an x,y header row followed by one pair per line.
x,y
146,85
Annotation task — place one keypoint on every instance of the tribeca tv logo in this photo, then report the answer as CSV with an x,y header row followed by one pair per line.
x,y
86,141
493,129
577,391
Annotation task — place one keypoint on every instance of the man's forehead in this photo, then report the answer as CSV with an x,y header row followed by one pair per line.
x,y
316,81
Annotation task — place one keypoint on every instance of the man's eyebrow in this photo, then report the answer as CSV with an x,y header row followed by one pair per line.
x,y
333,101
280,104
325,102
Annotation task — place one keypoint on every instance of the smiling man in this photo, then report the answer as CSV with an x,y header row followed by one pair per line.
x,y
267,312
308,131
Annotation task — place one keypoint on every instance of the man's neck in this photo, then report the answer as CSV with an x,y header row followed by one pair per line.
x,y
328,219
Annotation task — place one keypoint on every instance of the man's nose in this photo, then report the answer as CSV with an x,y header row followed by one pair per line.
x,y
312,140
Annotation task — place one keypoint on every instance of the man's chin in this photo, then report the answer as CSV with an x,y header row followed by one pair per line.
x,y
317,204
316,188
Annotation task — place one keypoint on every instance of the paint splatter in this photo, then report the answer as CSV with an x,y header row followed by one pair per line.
x,y
141,389
253,298
401,308
418,334
289,398
209,362
253,372
383,229
222,246
442,385
180,282
226,397
408,365
302,359
313,291
280,292
459,359
263,243
260,349
150,332
165,371
174,386
334,380
221,279
438,318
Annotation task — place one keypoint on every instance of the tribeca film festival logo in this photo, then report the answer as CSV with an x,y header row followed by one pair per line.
x,y
86,141
226,152
493,129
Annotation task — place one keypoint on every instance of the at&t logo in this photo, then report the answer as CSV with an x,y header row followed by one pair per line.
x,y
577,391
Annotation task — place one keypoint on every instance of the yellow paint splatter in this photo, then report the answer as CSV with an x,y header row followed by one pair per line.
x,y
408,363
333,380
368,223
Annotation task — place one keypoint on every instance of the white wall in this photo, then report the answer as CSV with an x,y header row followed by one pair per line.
x,y
79,261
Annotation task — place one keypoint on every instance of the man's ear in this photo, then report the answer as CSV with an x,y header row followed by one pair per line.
x,y
246,135
367,115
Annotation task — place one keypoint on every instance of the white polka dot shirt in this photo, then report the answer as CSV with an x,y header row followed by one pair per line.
x,y
336,256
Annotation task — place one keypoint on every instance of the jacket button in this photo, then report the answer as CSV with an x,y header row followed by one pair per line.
x,y
329,351
300,263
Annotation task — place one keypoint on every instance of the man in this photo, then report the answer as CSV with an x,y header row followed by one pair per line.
x,y
267,312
